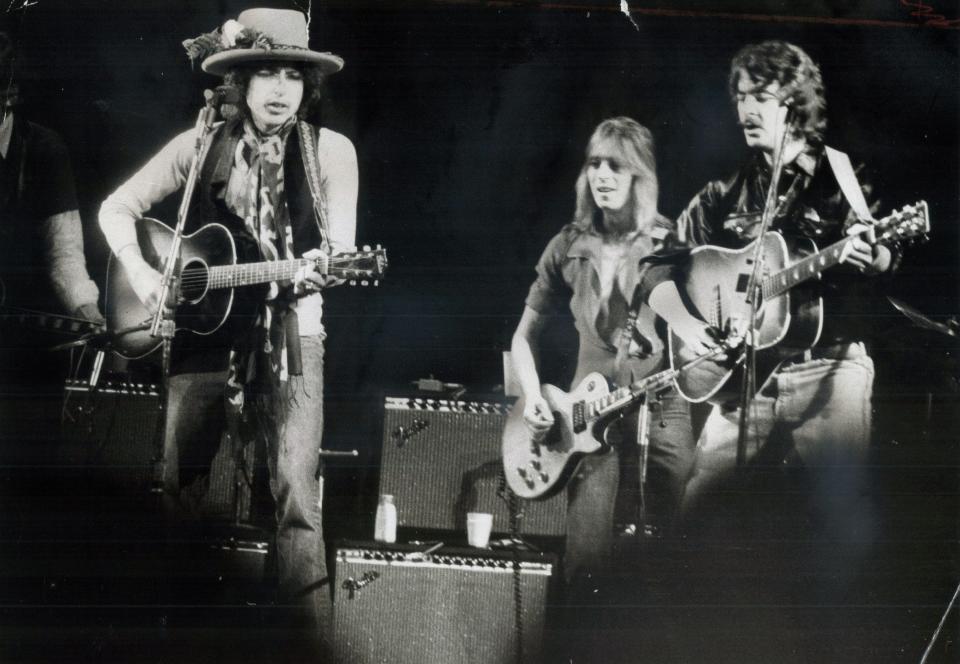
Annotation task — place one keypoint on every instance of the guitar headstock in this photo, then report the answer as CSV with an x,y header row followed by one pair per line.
x,y
359,268
909,223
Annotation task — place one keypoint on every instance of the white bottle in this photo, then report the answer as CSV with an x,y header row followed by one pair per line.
x,y
385,525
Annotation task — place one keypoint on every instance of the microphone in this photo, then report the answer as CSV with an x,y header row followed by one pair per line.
x,y
224,97
222,94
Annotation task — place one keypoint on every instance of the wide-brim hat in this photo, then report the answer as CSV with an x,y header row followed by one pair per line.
x,y
267,35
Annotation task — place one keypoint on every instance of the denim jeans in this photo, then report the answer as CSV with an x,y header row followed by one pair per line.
x,y
196,417
795,525
592,493
812,414
294,467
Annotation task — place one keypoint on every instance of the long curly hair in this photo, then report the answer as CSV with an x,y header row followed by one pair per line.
x,y
313,80
632,145
799,78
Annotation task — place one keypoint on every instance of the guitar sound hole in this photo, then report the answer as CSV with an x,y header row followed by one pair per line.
x,y
193,281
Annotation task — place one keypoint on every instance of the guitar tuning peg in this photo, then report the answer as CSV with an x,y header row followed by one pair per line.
x,y
366,247
352,282
376,282
364,283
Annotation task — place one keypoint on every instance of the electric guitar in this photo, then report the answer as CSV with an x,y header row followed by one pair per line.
x,y
207,277
581,420
789,315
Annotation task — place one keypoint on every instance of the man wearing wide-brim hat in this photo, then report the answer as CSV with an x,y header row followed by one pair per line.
x,y
284,188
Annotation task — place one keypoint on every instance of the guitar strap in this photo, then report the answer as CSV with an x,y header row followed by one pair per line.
x,y
843,172
309,144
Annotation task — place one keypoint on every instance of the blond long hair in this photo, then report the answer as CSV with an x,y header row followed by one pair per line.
x,y
632,144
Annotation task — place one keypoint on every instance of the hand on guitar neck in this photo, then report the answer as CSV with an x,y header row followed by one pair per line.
x,y
309,279
864,252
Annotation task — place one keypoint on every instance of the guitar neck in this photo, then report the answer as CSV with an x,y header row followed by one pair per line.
x,y
624,396
908,223
248,274
807,268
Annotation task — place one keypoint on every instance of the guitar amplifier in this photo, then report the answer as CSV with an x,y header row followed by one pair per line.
x,y
394,605
111,433
441,459
112,437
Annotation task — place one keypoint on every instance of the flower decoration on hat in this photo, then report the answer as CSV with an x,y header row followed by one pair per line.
x,y
230,35
257,36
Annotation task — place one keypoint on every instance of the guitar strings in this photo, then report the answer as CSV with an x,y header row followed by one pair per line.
x,y
195,276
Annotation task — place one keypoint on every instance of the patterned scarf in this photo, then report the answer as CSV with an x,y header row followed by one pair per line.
x,y
267,217
258,362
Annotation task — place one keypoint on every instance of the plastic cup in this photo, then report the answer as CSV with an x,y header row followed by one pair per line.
x,y
479,525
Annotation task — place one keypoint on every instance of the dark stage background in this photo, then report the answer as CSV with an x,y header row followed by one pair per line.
x,y
470,121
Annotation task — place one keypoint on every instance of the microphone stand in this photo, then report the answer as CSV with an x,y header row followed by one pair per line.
x,y
163,325
753,292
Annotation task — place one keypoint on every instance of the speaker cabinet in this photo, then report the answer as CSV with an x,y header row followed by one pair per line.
x,y
112,436
394,605
441,459
111,433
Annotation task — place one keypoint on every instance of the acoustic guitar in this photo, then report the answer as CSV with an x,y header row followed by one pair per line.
x,y
209,273
788,319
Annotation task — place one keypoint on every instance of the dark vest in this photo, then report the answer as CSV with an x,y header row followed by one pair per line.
x,y
196,353
208,205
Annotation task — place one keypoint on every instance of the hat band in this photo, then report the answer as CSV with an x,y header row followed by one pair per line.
x,y
210,43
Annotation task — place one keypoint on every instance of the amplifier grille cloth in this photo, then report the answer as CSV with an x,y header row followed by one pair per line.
x,y
441,459
436,611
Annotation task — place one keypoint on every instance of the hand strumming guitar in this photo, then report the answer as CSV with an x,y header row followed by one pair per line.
x,y
144,280
537,416
697,335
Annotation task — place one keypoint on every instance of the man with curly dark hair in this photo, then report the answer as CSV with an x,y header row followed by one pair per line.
x,y
799,475
284,188
815,409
